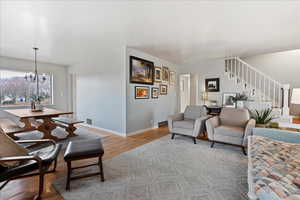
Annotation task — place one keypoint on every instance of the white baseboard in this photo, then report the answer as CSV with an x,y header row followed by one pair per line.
x,y
104,129
142,130
118,133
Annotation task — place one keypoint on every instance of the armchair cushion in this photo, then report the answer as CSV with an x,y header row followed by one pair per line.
x,y
234,117
231,131
187,124
9,148
194,112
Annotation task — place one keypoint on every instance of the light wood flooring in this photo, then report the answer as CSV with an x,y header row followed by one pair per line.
x,y
25,189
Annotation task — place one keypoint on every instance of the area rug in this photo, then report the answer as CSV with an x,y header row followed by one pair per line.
x,y
166,169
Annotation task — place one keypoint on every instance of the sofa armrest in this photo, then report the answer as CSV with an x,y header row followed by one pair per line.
x,y
211,124
248,131
278,134
172,118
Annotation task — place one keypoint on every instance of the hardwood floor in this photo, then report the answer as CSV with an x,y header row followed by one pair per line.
x,y
25,189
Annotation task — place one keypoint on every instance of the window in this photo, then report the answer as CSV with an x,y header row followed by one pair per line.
x,y
15,90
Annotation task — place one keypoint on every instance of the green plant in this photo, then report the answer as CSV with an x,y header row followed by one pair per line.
x,y
262,117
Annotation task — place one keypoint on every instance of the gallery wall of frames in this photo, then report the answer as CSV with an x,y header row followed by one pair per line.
x,y
151,81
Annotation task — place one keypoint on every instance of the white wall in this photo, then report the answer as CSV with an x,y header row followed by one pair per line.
x,y
60,79
283,67
146,113
213,68
101,88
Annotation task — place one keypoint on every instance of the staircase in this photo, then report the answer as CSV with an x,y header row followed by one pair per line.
x,y
261,88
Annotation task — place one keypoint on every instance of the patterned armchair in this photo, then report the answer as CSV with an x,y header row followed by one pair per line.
x,y
190,123
233,126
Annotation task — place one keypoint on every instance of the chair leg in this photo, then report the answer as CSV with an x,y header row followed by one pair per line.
x,y
173,135
55,164
68,176
244,151
101,168
194,139
212,144
41,185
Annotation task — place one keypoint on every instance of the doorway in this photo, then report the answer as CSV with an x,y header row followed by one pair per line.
x,y
185,91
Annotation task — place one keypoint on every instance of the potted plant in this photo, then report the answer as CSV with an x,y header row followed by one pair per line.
x,y
239,99
263,117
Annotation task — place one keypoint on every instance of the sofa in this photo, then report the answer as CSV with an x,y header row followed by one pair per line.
x,y
190,123
274,165
233,126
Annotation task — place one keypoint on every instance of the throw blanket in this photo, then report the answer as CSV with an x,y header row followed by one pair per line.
x,y
275,168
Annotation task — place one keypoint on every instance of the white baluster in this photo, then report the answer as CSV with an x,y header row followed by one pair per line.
x,y
274,97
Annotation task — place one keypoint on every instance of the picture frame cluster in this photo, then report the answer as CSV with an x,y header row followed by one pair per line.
x,y
144,72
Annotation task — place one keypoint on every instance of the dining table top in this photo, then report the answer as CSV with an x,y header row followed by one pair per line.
x,y
27,113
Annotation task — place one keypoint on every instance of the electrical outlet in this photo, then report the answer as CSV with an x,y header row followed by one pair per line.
x,y
89,121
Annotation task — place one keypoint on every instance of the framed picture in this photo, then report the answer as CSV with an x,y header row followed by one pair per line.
x,y
165,74
163,89
228,100
141,71
212,85
141,92
154,92
158,74
172,78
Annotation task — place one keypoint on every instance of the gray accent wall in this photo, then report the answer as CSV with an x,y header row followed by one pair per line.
x,y
143,114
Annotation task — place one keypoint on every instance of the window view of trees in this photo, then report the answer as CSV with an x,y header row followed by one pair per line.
x,y
15,90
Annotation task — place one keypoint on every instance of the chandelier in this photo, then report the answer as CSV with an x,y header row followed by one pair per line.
x,y
34,76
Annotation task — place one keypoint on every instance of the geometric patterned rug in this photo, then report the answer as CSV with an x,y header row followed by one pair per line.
x,y
166,169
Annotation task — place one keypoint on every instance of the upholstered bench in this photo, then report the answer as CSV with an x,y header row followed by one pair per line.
x,y
80,150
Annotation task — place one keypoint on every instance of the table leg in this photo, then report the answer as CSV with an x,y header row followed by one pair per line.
x,y
47,127
71,129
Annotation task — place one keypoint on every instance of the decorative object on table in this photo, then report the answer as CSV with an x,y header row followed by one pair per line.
x,y
172,78
263,117
158,74
36,99
212,85
163,89
239,100
165,74
228,100
141,71
141,92
154,92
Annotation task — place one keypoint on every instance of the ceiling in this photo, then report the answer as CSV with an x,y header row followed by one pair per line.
x,y
183,32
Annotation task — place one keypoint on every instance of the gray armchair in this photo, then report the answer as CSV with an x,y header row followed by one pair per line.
x,y
233,126
190,123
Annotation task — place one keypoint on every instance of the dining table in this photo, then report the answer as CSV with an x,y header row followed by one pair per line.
x,y
41,120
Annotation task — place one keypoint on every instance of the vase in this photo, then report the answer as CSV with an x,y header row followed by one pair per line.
x,y
240,104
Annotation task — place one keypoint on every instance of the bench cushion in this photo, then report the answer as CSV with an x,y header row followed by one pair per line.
x,y
66,120
84,148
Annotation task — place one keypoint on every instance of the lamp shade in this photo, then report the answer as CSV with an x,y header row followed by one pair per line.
x,y
296,96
